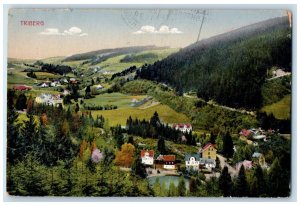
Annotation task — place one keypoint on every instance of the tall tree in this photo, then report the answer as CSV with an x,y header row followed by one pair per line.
x,y
227,145
155,121
225,182
21,102
193,188
275,180
14,140
241,187
138,168
258,186
124,157
161,145
181,187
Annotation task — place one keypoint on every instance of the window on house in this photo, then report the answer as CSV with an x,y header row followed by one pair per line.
x,y
208,157
208,153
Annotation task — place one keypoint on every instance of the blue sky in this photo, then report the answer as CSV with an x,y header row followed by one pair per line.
x,y
66,32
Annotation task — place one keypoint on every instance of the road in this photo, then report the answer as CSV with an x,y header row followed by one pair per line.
x,y
223,163
243,111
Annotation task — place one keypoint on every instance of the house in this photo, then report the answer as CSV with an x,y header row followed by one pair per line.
x,y
192,161
186,128
21,88
209,151
73,81
247,165
206,163
246,133
195,162
44,85
260,159
66,92
166,162
99,87
49,99
147,157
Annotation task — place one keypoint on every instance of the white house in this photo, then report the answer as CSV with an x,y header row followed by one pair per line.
x,y
49,99
147,157
192,161
186,128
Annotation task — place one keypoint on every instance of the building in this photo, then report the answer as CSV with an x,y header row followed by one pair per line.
x,y
147,157
247,165
206,163
195,162
192,161
186,128
209,151
49,99
21,88
166,162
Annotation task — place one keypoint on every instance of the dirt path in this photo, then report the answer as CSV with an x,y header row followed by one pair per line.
x,y
233,172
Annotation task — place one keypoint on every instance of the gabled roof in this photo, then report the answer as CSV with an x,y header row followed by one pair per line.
x,y
188,156
207,146
150,153
256,155
166,158
181,125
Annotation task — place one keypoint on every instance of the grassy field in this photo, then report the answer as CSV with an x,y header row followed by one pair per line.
x,y
19,78
114,65
46,75
118,99
119,116
280,109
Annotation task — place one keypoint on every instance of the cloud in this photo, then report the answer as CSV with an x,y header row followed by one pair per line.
x,y
147,29
83,34
50,31
73,31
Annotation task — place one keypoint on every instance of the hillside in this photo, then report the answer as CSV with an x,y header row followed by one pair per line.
x,y
229,68
101,55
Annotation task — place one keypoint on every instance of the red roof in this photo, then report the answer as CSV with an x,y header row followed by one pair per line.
x,y
151,153
21,87
207,146
245,132
182,125
168,158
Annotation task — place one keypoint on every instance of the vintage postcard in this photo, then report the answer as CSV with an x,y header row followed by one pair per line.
x,y
149,102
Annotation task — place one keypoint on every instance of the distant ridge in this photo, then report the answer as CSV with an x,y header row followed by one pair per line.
x,y
102,54
243,32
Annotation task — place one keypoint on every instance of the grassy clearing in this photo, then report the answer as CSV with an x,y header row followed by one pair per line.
x,y
119,116
46,75
280,109
19,78
118,99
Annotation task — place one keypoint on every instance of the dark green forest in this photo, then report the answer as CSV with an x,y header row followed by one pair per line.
x,y
230,71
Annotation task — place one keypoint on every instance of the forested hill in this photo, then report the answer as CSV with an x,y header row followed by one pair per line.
x,y
229,68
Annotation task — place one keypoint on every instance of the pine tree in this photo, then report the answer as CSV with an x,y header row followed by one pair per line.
x,y
21,102
181,187
155,121
138,168
227,145
193,186
275,179
14,139
161,145
241,187
225,182
258,183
